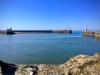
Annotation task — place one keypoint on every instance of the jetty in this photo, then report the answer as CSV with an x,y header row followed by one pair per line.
x,y
91,33
10,31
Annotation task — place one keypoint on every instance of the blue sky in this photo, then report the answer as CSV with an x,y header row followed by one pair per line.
x,y
50,14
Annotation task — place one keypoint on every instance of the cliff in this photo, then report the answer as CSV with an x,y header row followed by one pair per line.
x,y
78,65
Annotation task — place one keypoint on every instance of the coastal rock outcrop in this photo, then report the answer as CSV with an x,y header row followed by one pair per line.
x,y
78,65
97,34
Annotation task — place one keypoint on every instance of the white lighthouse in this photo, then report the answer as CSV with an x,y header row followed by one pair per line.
x,y
85,29
68,29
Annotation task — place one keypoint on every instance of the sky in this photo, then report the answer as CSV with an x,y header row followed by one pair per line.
x,y
50,14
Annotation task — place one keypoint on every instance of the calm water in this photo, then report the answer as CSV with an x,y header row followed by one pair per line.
x,y
45,48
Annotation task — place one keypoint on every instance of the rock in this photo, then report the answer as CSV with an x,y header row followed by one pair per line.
x,y
82,65
97,34
78,65
7,69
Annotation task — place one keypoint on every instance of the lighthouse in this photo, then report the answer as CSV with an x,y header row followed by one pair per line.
x,y
85,29
68,29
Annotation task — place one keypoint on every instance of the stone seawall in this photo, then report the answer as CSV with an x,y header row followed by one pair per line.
x,y
34,31
88,33
94,34
78,65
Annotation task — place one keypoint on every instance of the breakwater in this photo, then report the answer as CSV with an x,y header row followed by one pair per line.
x,y
90,33
34,31
78,65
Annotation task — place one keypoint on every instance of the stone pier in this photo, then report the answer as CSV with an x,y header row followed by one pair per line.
x,y
91,33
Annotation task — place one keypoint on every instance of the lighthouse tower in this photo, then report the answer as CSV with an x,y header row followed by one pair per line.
x,y
68,29
10,29
85,29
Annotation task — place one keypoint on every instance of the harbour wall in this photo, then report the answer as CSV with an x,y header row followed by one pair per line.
x,y
88,33
94,34
7,32
34,31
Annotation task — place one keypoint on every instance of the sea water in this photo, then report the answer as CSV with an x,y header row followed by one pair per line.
x,y
49,48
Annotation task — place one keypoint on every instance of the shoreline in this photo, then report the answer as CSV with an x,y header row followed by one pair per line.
x,y
78,65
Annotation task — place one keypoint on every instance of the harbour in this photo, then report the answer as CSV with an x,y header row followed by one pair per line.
x,y
46,48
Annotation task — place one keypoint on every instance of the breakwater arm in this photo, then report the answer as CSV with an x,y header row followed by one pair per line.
x,y
94,34
88,33
34,31
91,33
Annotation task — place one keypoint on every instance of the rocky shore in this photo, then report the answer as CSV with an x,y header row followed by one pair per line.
x,y
78,65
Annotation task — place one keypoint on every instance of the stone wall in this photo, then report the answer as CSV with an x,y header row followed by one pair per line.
x,y
78,65
88,33
94,34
